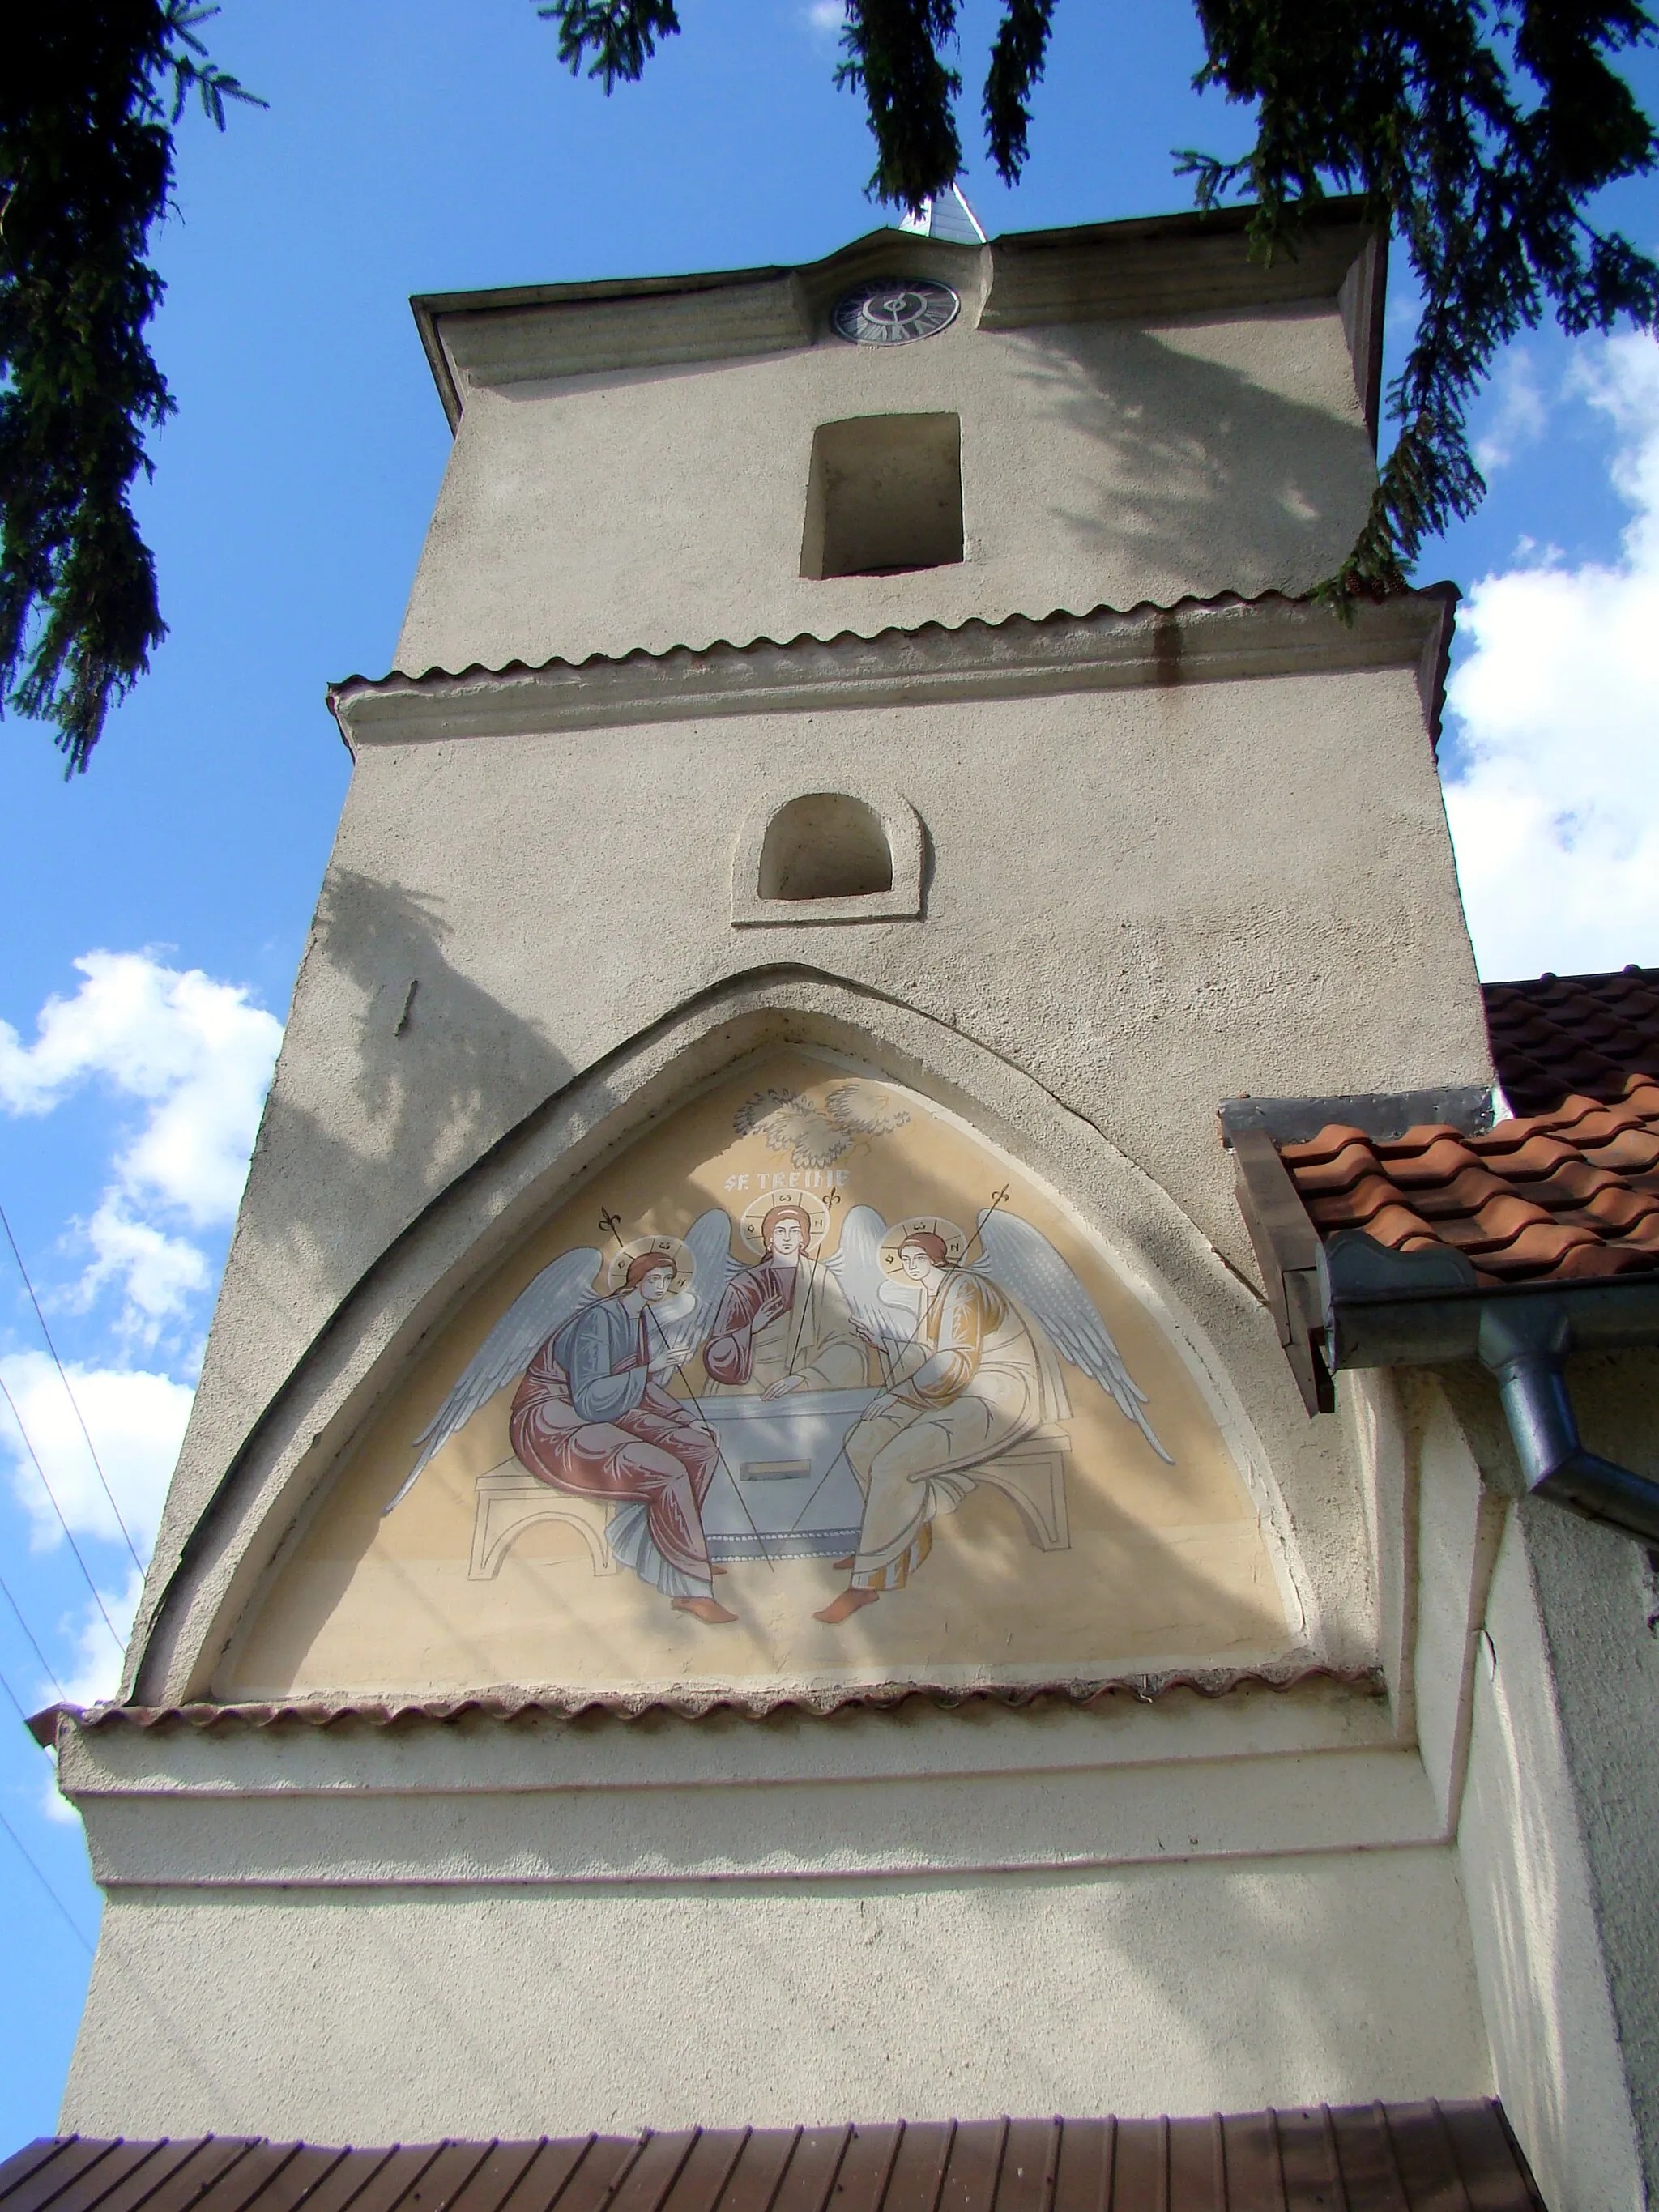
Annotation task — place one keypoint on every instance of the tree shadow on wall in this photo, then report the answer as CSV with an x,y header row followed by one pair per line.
x,y
440,1070
1215,482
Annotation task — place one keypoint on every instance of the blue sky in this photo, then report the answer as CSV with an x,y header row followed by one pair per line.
x,y
414,147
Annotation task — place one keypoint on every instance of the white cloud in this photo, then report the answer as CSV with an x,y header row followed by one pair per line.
x,y
136,1421
197,1055
96,1672
159,1274
1555,811
826,17
1515,417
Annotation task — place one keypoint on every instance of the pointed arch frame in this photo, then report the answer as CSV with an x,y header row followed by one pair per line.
x,y
241,1533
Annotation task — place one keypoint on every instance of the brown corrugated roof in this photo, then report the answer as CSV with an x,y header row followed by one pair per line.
x,y
1367,2158
577,1705
1555,1036
1555,1197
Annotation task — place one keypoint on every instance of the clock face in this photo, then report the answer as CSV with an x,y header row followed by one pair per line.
x,y
895,308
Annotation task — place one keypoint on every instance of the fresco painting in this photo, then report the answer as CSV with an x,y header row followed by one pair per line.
x,y
811,1387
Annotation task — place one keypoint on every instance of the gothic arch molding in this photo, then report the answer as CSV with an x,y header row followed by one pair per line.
x,y
306,1435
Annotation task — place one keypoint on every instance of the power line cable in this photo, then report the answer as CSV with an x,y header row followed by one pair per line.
x,y
73,1924
86,1572
35,1642
74,1403
16,1700
38,1872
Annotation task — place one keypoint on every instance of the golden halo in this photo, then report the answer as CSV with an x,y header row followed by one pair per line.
x,y
672,1249
752,1220
955,1241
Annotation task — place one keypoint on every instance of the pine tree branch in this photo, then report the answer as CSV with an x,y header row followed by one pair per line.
x,y
90,96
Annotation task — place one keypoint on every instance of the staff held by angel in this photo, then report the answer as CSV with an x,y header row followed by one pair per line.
x,y
591,1414
971,1342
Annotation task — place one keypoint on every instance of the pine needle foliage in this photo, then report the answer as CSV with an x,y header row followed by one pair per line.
x,y
1478,130
90,97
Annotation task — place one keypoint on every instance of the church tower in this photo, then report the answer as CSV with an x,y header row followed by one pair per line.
x,y
764,1542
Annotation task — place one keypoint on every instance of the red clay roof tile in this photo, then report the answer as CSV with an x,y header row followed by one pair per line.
x,y
1555,1036
1570,1194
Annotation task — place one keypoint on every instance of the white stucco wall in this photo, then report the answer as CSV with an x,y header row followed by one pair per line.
x,y
484,1929
382,2018
1102,464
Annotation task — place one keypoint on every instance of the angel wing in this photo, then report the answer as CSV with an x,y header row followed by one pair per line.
x,y
856,1266
709,1240
538,1312
1021,1260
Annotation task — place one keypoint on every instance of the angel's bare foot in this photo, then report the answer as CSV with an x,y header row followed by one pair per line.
x,y
844,1566
704,1608
717,1571
846,1605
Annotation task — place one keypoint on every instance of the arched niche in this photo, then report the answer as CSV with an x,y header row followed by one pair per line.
x,y
825,844
1088,1508
853,854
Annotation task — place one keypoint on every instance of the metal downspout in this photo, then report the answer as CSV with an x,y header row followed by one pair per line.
x,y
1523,1345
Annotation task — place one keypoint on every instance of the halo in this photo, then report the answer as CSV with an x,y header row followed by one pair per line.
x,y
954,1238
752,1220
672,1249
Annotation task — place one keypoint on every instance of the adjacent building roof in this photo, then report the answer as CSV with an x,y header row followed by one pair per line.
x,y
1565,1192
1555,1036
1563,1196
1374,2157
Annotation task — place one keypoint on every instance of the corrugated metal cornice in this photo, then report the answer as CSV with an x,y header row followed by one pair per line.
x,y
509,1705
1221,640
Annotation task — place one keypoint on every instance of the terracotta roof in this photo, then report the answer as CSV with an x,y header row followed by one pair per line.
x,y
1561,1196
1555,1035
1371,2158
511,1705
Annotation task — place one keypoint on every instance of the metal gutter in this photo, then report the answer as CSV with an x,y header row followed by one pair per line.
x,y
1347,1301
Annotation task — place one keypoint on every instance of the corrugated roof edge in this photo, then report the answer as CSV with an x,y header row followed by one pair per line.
x,y
506,1704
397,680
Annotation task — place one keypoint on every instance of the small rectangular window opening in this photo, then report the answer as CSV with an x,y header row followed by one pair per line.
x,y
884,495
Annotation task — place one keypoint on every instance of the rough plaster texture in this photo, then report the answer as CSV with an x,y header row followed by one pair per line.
x,y
1597,1606
1102,464
1532,1673
1377,1414
382,2016
1458,1523
1567,2084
